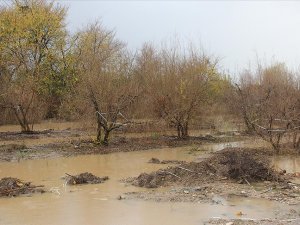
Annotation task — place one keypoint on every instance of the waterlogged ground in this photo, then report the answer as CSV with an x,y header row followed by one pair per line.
x,y
101,204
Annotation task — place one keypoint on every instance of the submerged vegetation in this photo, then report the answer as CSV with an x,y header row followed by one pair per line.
x,y
11,187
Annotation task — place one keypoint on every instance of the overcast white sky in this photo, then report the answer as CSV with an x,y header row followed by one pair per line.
x,y
235,31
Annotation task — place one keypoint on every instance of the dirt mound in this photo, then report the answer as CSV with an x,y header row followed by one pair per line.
x,y
84,178
10,187
241,165
157,161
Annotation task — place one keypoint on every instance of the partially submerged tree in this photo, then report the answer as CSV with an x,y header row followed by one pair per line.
x,y
270,104
106,85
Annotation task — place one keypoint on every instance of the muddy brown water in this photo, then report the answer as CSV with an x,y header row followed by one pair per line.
x,y
98,204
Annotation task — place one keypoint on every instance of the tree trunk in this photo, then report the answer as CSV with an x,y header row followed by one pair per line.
x,y
276,147
296,140
185,128
178,131
21,117
182,130
249,126
98,138
298,143
106,136
98,117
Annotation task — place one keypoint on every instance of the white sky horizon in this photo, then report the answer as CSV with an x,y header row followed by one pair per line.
x,y
237,32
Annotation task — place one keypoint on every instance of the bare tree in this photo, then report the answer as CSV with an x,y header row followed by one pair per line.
x,y
179,82
106,83
269,104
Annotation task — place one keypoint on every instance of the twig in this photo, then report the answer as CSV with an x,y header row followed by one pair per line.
x,y
172,174
187,170
247,181
268,190
69,175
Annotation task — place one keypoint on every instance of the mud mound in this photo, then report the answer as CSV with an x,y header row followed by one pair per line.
x,y
84,178
157,161
10,187
241,165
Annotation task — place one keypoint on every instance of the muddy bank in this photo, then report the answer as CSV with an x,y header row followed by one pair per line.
x,y
83,145
228,173
13,135
294,221
210,192
12,187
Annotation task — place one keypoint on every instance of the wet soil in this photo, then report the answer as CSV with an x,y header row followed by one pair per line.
x,y
206,193
295,221
231,172
14,135
74,142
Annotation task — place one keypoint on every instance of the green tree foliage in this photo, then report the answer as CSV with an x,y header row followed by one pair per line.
x,y
34,58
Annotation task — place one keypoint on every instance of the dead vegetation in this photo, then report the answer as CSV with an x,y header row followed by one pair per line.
x,y
243,165
239,165
11,187
268,101
84,178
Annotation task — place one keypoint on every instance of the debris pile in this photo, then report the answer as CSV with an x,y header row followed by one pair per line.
x,y
157,161
11,187
239,165
244,165
84,178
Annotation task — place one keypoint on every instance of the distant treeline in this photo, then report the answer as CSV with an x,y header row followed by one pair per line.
x,y
45,72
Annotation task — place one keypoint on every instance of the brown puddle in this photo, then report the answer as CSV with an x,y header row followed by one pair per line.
x,y
98,204
289,163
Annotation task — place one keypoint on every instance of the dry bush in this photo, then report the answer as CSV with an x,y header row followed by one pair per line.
x,y
178,83
269,103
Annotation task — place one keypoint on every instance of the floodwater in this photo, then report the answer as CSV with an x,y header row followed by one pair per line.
x,y
98,204
56,125
289,163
